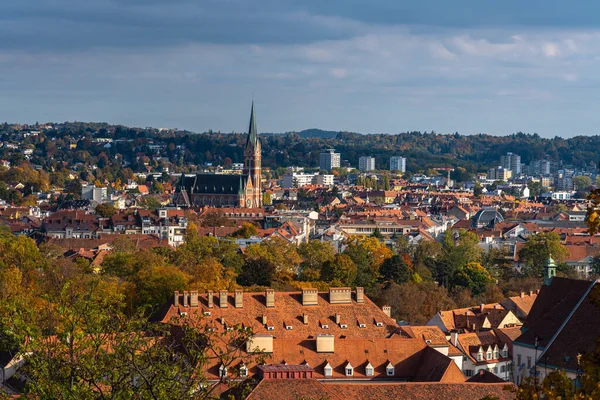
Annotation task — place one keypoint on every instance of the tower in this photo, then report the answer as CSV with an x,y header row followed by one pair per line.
x,y
252,165
549,271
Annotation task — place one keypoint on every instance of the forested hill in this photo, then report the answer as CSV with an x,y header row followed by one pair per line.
x,y
423,150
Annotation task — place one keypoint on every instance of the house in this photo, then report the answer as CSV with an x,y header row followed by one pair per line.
x,y
471,319
340,334
563,323
520,305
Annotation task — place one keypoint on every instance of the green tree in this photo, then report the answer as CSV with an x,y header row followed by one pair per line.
x,y
582,182
247,230
538,249
105,210
395,269
314,255
341,270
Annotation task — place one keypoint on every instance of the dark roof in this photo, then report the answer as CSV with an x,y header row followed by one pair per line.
x,y
551,307
252,132
487,216
77,204
212,184
578,336
485,376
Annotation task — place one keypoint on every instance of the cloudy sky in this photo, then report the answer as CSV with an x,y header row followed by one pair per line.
x,y
369,66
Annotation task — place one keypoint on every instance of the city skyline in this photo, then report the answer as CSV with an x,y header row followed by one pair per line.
x,y
385,68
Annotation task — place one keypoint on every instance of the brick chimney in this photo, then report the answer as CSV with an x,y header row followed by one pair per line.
x,y
186,294
310,297
338,318
481,306
522,294
387,310
223,298
264,319
360,295
176,298
305,318
270,298
239,299
531,293
194,298
210,297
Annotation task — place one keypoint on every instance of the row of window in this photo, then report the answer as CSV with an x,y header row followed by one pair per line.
x,y
492,355
349,370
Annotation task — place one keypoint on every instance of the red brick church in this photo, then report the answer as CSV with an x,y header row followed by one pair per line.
x,y
226,190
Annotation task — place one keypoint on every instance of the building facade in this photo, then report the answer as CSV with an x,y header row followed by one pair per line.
x,y
398,164
512,162
366,163
329,159
243,190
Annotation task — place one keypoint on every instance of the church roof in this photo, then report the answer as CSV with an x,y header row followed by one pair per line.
x,y
212,184
252,131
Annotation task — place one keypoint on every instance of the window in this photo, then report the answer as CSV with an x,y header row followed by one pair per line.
x,y
518,359
528,362
369,370
505,353
496,354
488,355
495,370
243,371
479,357
503,368
349,370
222,371
468,372
389,369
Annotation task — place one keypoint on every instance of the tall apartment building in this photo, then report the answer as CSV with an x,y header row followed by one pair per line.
x,y
97,194
366,163
540,167
301,179
329,159
512,162
398,164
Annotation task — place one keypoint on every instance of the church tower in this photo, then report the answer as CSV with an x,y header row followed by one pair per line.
x,y
549,271
252,165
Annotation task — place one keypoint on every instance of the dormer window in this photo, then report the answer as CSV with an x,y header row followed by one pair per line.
x,y
369,370
389,369
379,324
288,326
328,371
349,369
343,326
361,324
480,356
243,371
270,328
488,355
222,371
207,313
505,351
496,353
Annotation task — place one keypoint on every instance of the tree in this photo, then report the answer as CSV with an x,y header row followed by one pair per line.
x,y
535,188
538,249
105,210
247,230
395,269
314,255
340,270
150,203
258,271
582,182
474,277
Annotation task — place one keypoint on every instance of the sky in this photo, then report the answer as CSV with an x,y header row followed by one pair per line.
x,y
378,66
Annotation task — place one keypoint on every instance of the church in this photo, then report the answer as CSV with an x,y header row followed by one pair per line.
x,y
226,190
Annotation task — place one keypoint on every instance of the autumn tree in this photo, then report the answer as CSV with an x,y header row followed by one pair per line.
x,y
340,271
314,255
395,269
105,210
474,277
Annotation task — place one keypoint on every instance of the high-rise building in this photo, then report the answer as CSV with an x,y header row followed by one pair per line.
x,y
329,159
398,164
512,162
499,174
540,167
366,163
97,194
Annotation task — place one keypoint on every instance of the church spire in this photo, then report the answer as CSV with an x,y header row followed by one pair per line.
x,y
252,132
549,271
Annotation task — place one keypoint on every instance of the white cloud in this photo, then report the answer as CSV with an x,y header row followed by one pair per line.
x,y
550,50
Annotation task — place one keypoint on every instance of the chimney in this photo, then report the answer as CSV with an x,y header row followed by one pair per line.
x,y
454,338
309,297
176,299
387,310
186,295
270,298
481,306
522,294
210,297
223,298
338,318
531,293
194,298
537,291
360,295
264,319
305,318
239,298
340,295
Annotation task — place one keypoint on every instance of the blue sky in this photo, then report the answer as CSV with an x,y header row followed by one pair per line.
x,y
369,66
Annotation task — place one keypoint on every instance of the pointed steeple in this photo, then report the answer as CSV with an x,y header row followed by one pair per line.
x,y
252,132
549,271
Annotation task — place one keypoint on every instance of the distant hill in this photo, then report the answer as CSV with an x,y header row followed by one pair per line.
x,y
309,133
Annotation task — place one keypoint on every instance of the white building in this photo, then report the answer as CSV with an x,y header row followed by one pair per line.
x,y
398,164
511,162
91,192
301,179
366,163
329,159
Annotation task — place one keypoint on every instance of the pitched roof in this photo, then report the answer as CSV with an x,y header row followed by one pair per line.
x,y
422,391
551,308
291,389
